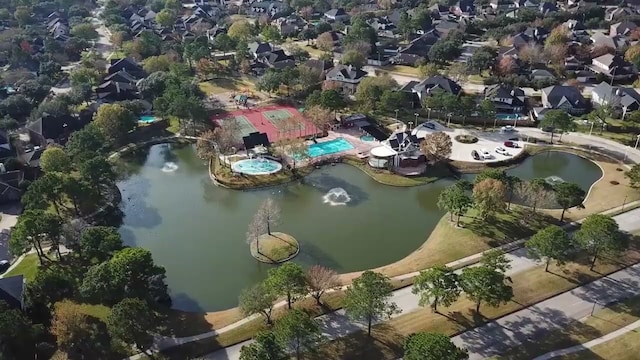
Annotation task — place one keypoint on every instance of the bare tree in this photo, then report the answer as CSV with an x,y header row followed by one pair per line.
x,y
268,214
324,42
320,117
320,279
226,136
533,193
255,230
436,147
205,147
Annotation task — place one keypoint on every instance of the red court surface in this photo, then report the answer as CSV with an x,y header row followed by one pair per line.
x,y
259,122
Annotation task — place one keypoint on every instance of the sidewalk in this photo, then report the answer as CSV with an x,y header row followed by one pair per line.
x,y
337,325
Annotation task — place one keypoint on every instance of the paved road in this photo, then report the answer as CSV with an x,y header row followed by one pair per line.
x,y
337,325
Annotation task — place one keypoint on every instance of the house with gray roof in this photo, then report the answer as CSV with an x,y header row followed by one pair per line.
x,y
506,98
617,43
623,28
614,67
346,77
427,87
12,290
563,97
337,15
620,99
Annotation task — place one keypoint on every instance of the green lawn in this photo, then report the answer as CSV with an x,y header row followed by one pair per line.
x,y
225,85
27,267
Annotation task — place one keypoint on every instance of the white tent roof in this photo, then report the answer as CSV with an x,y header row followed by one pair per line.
x,y
382,151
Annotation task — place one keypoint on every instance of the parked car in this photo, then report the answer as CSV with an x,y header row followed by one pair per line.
x,y
4,265
475,155
485,154
508,128
511,144
502,151
430,125
548,129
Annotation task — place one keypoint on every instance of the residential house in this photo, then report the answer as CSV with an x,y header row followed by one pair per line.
x,y
346,77
443,27
429,86
563,97
574,25
128,65
384,27
439,11
337,15
617,43
623,28
614,66
547,8
529,4
257,49
417,49
464,8
110,91
506,98
289,25
501,5
618,13
49,128
12,290
277,59
621,99
321,66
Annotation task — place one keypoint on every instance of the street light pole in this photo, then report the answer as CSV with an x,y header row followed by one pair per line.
x,y
416,114
410,123
396,114
428,113
591,130
637,139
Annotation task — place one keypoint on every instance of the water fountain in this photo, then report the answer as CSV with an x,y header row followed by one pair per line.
x,y
336,196
553,180
169,166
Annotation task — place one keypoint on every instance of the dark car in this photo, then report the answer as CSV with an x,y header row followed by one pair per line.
x,y
475,155
429,125
511,144
548,129
4,265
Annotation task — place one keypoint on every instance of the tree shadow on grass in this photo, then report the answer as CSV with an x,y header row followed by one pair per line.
x,y
384,343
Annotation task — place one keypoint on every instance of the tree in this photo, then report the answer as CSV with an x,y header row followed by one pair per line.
x,y
240,31
428,70
270,33
600,234
537,191
325,42
85,144
85,31
269,213
391,100
558,36
296,329
488,197
437,285
320,117
432,346
54,159
436,147
568,195
483,59
354,58
405,26
136,275
16,106
17,334
455,200
257,300
287,280
154,64
132,322
506,66
71,328
265,346
483,284
270,81
550,243
166,18
371,89
495,259
45,191
50,285
632,54
98,285
224,43
35,227
22,15
84,75
557,119
97,172
35,90
487,110
115,121
368,298
319,279
332,100
99,243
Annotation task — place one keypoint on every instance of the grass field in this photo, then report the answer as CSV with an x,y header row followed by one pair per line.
x,y
27,267
224,85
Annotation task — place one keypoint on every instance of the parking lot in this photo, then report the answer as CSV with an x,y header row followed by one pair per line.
x,y
488,141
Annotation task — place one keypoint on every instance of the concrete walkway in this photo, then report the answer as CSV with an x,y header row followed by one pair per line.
x,y
556,313
590,344
336,325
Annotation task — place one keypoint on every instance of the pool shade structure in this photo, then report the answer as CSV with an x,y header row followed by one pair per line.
x,y
255,139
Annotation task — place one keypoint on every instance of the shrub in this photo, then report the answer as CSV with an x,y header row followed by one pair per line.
x,y
466,139
613,182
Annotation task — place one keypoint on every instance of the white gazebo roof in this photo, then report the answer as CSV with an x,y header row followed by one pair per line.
x,y
382,151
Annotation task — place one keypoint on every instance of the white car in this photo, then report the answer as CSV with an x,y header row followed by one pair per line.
x,y
502,151
508,128
485,154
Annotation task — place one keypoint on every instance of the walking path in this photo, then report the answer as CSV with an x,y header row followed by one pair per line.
x,y
337,324
507,332
589,344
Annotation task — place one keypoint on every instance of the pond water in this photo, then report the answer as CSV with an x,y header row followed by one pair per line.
x,y
341,217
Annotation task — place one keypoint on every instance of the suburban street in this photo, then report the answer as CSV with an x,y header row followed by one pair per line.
x,y
495,337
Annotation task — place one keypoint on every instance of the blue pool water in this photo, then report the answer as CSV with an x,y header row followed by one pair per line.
x,y
329,147
507,116
147,118
256,166
367,138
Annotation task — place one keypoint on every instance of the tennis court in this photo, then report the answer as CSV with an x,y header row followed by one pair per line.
x,y
270,120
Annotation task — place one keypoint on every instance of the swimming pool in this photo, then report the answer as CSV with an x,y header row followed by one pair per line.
x,y
367,138
147,118
507,116
256,166
329,147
